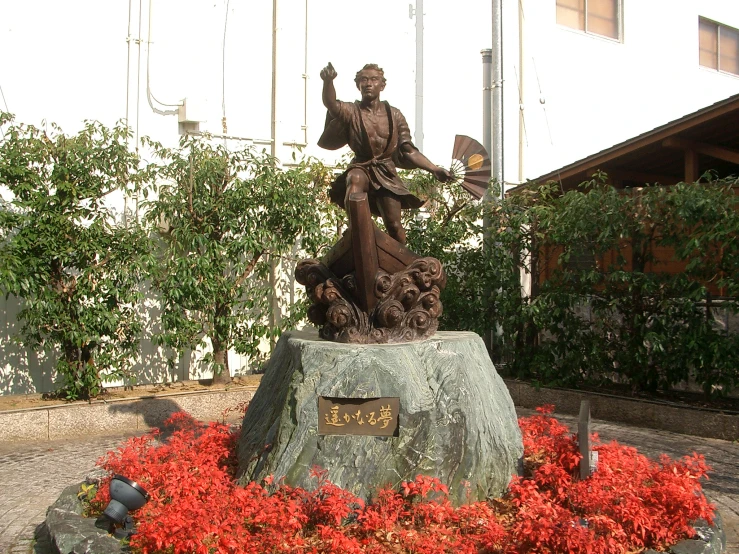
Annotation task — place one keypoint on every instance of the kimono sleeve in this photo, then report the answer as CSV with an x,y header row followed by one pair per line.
x,y
404,131
336,130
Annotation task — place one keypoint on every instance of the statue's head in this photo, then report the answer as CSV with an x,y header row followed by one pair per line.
x,y
370,80
369,66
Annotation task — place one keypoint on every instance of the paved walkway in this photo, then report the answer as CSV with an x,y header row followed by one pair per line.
x,y
33,474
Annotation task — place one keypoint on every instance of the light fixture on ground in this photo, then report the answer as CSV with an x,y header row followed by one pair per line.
x,y
125,496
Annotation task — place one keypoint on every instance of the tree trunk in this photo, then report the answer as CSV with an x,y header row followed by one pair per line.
x,y
221,371
83,380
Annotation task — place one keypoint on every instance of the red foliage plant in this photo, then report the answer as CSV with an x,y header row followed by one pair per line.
x,y
629,504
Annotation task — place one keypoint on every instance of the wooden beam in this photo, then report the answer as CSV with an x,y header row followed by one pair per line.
x,y
641,176
691,166
718,152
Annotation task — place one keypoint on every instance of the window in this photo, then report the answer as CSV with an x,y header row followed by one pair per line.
x,y
718,46
600,17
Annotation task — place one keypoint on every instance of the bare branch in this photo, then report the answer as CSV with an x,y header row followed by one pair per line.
x,y
248,270
189,195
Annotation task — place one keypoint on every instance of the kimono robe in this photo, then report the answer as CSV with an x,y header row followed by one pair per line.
x,y
348,128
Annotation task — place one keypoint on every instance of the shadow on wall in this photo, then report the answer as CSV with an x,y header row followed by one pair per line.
x,y
153,411
27,372
22,371
155,364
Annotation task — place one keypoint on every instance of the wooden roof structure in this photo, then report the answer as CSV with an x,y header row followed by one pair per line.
x,y
681,150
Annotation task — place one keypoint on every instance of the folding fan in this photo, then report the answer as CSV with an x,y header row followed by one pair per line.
x,y
470,165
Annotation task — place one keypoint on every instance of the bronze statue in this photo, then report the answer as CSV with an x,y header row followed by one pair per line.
x,y
370,288
380,138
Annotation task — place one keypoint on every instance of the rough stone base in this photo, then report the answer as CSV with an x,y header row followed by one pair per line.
x,y
457,421
69,532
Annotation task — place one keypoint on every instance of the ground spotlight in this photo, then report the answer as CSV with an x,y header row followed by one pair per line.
x,y
125,496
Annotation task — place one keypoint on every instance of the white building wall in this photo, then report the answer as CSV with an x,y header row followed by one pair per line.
x,y
81,59
599,92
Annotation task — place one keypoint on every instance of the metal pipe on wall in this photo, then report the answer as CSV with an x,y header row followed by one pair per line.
x,y
273,125
487,98
128,96
305,79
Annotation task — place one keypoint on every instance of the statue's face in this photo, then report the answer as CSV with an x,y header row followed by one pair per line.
x,y
370,84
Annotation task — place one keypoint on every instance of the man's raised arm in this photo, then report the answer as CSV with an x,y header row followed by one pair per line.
x,y
328,74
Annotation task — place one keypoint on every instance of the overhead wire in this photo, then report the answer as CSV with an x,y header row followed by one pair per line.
x,y
523,115
6,108
542,100
4,101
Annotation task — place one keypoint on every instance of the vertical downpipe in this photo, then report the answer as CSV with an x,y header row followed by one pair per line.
x,y
487,140
128,94
487,106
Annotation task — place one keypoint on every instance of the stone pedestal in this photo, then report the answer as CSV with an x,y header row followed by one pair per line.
x,y
456,419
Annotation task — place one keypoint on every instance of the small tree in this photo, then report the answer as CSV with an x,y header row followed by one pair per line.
x,y
222,216
74,269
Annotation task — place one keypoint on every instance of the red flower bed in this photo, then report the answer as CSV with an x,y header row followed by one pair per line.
x,y
629,504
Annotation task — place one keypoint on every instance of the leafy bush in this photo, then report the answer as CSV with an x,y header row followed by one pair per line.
x,y
63,253
631,503
225,219
618,281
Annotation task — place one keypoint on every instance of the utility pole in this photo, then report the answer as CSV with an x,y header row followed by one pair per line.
x,y
274,312
492,113
496,156
418,137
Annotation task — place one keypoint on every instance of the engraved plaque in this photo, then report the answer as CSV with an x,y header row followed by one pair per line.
x,y
358,416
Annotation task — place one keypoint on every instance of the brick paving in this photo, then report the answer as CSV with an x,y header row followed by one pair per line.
x,y
32,475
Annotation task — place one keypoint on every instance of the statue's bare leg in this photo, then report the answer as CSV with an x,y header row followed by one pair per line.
x,y
389,205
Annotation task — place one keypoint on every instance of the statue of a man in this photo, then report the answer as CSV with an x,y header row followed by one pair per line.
x,y
380,138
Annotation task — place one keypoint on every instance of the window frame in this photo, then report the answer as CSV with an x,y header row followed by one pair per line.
x,y
718,26
584,30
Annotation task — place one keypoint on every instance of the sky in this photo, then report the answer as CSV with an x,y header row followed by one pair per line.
x,y
69,61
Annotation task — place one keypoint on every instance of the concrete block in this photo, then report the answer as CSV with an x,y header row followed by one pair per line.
x,y
24,425
641,413
90,419
212,406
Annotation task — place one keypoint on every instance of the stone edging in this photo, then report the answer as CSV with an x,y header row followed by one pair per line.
x,y
703,422
115,416
70,532
140,413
